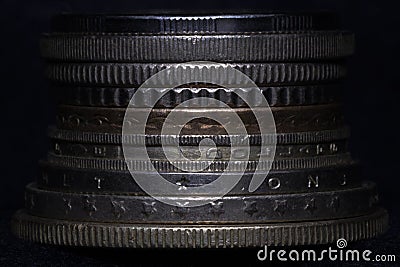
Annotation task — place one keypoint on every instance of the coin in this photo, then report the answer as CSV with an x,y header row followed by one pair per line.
x,y
254,47
145,97
205,165
287,119
87,193
196,23
311,137
128,74
129,235
63,148
68,179
251,208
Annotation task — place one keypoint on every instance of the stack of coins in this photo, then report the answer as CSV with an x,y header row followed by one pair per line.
x,y
86,193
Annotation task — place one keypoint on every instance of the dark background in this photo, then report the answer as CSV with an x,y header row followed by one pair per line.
x,y
371,97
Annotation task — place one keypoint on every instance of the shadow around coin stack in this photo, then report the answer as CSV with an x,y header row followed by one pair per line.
x,y
85,194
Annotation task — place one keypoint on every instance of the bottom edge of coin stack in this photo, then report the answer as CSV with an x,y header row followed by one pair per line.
x,y
112,235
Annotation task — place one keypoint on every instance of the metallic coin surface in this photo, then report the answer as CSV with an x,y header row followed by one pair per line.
x,y
228,209
63,148
204,165
287,119
311,137
196,23
134,74
120,96
116,235
89,193
254,47
277,182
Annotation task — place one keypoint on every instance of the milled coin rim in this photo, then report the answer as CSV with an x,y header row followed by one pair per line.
x,y
127,74
254,139
90,234
299,95
116,47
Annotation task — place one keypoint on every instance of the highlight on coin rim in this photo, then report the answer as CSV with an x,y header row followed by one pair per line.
x,y
202,72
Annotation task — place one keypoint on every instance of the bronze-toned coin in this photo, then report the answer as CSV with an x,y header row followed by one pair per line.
x,y
287,119
67,179
251,208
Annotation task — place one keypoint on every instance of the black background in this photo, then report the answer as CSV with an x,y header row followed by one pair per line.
x,y
371,99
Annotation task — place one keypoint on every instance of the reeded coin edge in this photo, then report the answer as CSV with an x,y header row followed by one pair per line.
x,y
177,48
89,234
120,96
136,73
281,138
215,166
